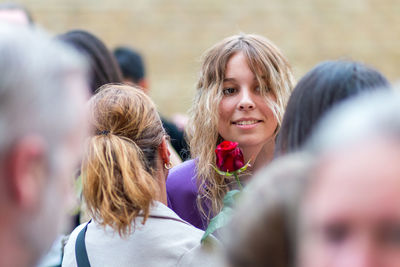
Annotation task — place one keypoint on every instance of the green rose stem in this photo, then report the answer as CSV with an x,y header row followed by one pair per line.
x,y
238,181
223,217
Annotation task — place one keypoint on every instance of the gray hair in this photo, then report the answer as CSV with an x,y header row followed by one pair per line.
x,y
17,6
35,96
370,115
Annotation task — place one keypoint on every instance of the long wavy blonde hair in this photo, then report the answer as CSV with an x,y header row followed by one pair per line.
x,y
120,157
275,78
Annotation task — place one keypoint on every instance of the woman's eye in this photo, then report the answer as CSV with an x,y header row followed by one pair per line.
x,y
228,91
257,89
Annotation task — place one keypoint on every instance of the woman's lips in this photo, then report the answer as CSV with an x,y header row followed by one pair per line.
x,y
246,124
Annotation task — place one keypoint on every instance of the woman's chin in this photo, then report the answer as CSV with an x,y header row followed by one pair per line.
x,y
252,143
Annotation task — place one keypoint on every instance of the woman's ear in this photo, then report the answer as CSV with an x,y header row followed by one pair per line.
x,y
164,151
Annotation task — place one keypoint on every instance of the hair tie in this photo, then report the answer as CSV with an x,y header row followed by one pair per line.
x,y
104,132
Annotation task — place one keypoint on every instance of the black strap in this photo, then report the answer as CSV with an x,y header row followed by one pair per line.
x,y
80,249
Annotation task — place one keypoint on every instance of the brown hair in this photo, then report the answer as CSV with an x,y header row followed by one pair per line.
x,y
121,156
104,67
276,81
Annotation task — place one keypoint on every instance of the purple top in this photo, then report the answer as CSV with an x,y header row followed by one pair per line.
x,y
182,193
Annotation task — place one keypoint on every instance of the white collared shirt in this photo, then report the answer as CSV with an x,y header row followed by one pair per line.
x,y
165,240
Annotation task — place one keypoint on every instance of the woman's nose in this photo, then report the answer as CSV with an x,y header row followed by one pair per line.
x,y
246,101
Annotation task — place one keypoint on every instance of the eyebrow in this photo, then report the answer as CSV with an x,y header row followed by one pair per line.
x,y
229,80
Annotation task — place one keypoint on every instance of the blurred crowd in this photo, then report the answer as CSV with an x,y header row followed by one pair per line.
x,y
262,171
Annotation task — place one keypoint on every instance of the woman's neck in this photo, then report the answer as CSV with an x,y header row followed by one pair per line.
x,y
259,156
161,175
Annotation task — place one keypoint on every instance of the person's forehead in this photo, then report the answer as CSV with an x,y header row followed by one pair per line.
x,y
363,173
14,16
371,159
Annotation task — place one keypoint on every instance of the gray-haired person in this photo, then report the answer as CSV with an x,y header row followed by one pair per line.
x,y
334,203
350,213
15,13
43,90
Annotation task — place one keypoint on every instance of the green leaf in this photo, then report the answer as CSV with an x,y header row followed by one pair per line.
x,y
244,167
221,172
230,198
222,218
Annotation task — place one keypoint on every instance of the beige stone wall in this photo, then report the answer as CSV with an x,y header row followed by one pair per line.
x,y
173,34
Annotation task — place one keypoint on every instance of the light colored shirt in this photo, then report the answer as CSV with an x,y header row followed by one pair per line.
x,y
165,240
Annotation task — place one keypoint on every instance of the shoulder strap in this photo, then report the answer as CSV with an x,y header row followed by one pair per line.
x,y
80,248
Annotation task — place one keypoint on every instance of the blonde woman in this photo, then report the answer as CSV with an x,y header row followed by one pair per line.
x,y
124,172
244,85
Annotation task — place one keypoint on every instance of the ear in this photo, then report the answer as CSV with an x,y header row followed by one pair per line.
x,y
164,151
144,84
27,170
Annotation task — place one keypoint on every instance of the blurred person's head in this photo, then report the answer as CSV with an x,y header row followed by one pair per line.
x,y
350,215
336,203
262,230
14,13
132,66
242,91
134,73
123,168
317,92
43,90
103,66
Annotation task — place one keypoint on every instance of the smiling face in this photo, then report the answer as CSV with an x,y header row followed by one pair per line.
x,y
351,214
244,115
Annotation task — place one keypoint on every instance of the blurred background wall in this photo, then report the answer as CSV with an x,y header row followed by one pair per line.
x,y
172,35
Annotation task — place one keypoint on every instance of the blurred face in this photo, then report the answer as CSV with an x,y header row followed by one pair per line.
x,y
244,115
57,193
351,214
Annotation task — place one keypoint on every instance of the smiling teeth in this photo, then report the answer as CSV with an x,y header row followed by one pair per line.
x,y
246,122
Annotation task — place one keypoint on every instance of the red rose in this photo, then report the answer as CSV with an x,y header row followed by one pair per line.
x,y
229,156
